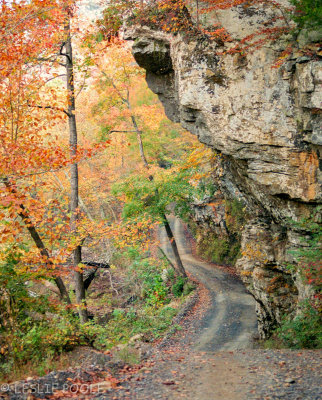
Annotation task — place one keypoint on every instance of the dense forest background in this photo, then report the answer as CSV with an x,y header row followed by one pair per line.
x,y
90,170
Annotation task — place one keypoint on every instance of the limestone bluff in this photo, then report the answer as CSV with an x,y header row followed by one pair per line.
x,y
266,125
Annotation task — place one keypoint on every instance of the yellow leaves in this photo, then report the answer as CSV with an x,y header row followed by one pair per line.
x,y
80,267
134,233
200,156
151,116
117,64
201,160
255,252
246,273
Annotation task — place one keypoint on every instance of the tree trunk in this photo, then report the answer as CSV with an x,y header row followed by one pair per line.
x,y
166,224
179,265
139,137
81,201
174,247
74,197
40,245
197,6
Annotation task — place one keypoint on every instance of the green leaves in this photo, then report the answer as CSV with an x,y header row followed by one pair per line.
x,y
169,190
307,13
308,255
304,331
99,37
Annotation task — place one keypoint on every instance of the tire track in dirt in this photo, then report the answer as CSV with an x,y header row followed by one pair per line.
x,y
230,321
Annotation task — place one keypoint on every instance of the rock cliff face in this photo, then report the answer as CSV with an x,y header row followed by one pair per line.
x,y
265,124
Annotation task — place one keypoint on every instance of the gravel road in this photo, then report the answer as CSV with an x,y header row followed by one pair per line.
x,y
211,356
230,321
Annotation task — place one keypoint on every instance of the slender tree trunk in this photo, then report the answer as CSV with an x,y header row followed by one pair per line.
x,y
197,6
173,243
40,245
179,264
74,197
139,138
82,204
126,102
81,201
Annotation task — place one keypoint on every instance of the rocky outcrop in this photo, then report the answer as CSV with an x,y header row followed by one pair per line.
x,y
265,124
210,214
216,224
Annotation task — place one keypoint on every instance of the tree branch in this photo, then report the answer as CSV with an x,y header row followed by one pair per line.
x,y
49,108
38,242
122,132
51,60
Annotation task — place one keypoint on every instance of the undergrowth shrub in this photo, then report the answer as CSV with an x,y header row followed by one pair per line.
x,y
169,15
153,284
307,13
148,322
35,329
178,286
148,271
223,248
214,249
303,331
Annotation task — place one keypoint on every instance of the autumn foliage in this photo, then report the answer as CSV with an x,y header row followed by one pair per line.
x,y
134,168
200,19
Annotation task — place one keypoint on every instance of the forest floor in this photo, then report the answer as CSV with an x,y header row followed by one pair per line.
x,y
212,354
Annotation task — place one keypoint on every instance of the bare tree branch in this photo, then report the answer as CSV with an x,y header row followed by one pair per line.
x,y
23,214
49,108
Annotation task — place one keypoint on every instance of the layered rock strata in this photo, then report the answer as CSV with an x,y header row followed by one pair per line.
x,y
265,124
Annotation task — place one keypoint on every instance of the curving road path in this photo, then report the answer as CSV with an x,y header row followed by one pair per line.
x,y
209,358
230,321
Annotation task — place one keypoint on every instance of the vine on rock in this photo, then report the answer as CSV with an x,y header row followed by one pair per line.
x,y
183,16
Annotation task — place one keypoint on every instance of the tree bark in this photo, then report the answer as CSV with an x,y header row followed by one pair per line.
x,y
40,245
126,102
74,194
139,138
197,4
174,247
179,265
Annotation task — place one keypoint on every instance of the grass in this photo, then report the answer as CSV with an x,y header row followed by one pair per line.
x,y
300,332
140,302
18,372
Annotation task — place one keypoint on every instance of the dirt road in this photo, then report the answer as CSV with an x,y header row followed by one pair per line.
x,y
211,356
230,321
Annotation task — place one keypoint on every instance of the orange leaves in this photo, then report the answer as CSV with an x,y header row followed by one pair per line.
x,y
22,146
225,4
218,33
283,57
27,158
138,232
199,156
78,388
31,28
32,104
173,17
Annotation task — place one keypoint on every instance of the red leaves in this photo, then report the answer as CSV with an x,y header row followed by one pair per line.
x,y
225,4
77,388
168,383
172,16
